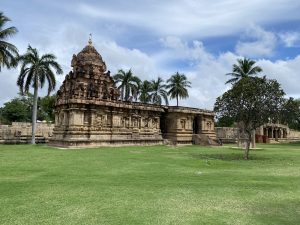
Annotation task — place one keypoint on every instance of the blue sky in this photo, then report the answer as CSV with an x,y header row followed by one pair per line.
x,y
157,38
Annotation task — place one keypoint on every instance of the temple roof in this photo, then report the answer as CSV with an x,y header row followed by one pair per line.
x,y
88,56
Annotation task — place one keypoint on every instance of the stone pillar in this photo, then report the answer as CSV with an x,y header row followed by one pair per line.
x,y
66,118
284,133
280,133
199,125
272,133
56,119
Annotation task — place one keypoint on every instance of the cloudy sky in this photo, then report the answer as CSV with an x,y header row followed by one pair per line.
x,y
200,38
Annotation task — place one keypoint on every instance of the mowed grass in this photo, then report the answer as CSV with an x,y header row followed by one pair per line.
x,y
149,185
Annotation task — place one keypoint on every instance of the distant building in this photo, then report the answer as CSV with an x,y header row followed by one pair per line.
x,y
270,132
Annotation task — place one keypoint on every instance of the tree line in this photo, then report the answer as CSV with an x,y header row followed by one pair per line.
x,y
19,109
156,91
289,112
254,101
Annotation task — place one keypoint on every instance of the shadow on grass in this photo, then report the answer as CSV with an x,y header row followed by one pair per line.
x,y
296,143
284,212
228,156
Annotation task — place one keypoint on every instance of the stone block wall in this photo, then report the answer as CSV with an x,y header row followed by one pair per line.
x,y
227,134
20,132
264,134
294,134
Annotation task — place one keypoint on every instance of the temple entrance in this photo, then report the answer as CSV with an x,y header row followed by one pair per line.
x,y
196,125
163,124
270,133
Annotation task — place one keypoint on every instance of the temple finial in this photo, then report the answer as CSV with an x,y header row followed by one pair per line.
x,y
90,40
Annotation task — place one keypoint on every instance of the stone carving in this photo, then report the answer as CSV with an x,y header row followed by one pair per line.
x,y
89,75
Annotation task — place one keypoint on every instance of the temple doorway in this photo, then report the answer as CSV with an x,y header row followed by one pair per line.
x,y
196,125
163,124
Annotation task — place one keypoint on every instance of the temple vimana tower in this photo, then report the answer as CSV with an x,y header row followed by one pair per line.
x,y
89,112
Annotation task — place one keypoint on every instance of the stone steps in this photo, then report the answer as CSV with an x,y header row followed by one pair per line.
x,y
202,139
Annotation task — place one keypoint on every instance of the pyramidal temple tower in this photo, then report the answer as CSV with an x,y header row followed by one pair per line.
x,y
89,112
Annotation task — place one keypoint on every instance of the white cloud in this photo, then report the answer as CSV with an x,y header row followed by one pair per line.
x,y
179,25
207,73
118,57
262,44
8,85
286,72
191,18
69,40
290,39
181,49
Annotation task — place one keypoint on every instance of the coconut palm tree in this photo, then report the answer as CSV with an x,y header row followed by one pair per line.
x,y
159,92
145,91
177,86
128,83
8,52
244,68
35,71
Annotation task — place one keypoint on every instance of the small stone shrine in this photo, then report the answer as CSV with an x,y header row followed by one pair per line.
x,y
89,112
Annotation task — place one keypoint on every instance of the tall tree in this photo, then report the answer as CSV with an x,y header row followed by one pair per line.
x,y
46,107
291,113
128,83
15,110
8,52
177,86
145,92
244,68
159,92
252,102
224,121
35,71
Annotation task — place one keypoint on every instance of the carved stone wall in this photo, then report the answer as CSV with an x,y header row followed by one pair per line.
x,y
183,122
93,125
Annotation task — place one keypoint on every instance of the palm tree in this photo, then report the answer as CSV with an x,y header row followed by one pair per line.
x,y
244,68
8,52
136,89
159,92
35,70
177,86
128,83
145,91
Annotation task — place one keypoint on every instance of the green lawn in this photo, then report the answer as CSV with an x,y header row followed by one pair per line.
x,y
149,185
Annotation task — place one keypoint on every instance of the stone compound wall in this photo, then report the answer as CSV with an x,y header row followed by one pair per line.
x,y
273,132
20,132
227,134
294,134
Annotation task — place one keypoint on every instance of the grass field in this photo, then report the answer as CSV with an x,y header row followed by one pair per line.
x,y
149,185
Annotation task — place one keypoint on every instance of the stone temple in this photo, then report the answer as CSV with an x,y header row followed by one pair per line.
x,y
89,112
